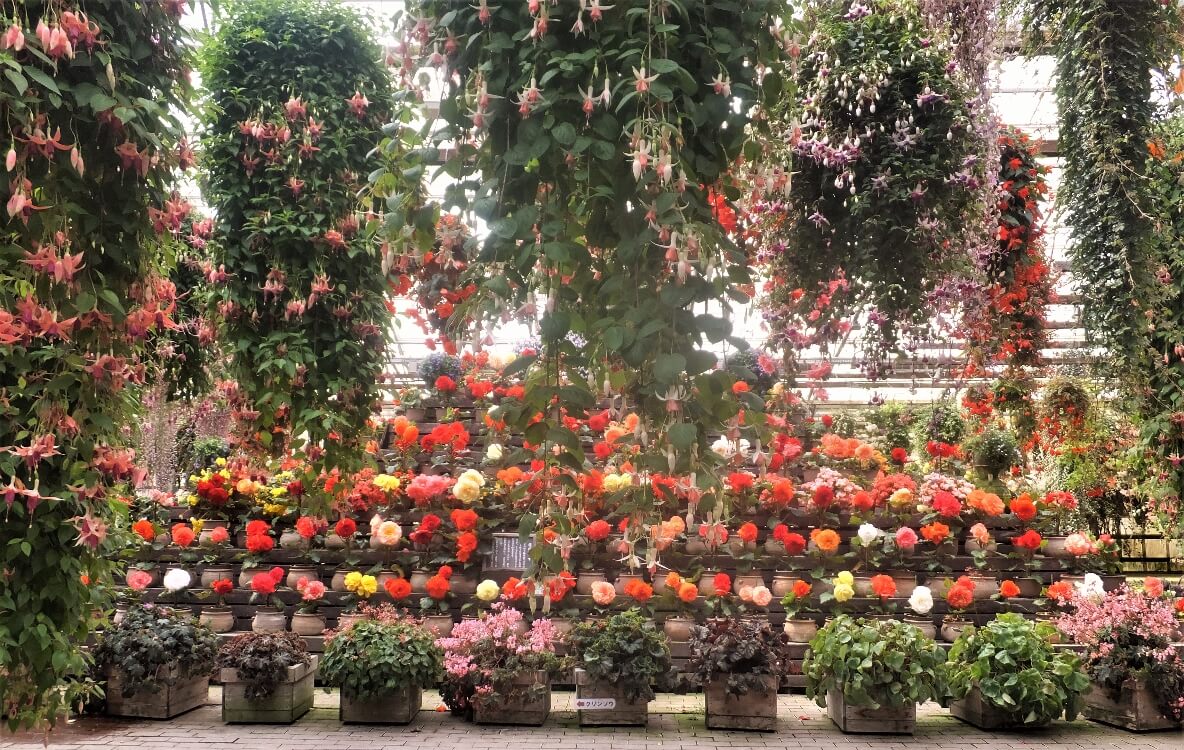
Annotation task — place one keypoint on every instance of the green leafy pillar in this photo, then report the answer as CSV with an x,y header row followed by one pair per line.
x,y
89,96
297,98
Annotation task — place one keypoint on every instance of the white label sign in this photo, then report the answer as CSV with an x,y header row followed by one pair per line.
x,y
596,704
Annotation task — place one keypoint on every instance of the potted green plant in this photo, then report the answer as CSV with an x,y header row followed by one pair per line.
x,y
497,671
871,674
156,662
740,664
616,663
267,678
1006,675
381,667
993,452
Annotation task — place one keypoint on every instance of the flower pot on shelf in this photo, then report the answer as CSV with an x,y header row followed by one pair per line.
x,y
864,720
396,707
333,541
217,619
738,546
707,583
154,572
951,629
800,631
1029,587
782,583
290,700
419,581
905,582
205,538
291,539
269,621
678,629
296,572
441,624
585,580
606,705
246,574
984,586
463,585
212,573
337,582
171,697
1054,546
1133,709
307,623
973,545
977,711
345,619
755,710
624,579
528,704
924,624
751,579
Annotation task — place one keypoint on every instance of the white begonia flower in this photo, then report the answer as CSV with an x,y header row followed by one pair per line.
x,y
868,534
176,580
921,600
494,452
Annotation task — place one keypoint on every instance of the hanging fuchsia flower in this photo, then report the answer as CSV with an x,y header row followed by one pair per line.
x,y
358,104
91,531
641,82
294,109
14,39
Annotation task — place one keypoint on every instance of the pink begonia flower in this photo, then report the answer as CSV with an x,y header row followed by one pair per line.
x,y
906,538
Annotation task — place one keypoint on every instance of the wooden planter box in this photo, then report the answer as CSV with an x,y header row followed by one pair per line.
x,y
291,700
161,702
978,711
863,720
624,712
1134,710
525,706
754,711
399,707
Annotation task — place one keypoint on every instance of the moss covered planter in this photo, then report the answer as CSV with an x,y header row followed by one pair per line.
x,y
608,705
1134,709
529,703
864,720
977,711
756,710
290,700
398,707
172,697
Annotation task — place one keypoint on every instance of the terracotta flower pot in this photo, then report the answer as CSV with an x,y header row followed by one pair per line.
x,y
951,629
246,574
1054,546
624,579
441,624
296,572
217,619
782,583
463,585
924,624
269,621
707,583
345,619
212,573
419,581
752,580
585,580
333,541
800,631
307,623
207,530
337,583
678,629
291,539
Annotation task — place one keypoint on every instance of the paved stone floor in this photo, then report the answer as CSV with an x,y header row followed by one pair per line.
x,y
676,723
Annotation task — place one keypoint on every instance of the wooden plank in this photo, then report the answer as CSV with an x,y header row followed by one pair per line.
x,y
864,720
755,711
978,712
1133,710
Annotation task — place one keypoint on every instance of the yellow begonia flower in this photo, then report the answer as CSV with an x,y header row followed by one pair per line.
x,y
488,590
387,483
279,491
843,592
275,509
224,474
844,577
197,524
220,461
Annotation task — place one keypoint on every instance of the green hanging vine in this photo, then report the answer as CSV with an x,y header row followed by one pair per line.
x,y
297,98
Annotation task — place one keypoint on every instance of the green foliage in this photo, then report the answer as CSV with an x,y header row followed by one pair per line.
x,y
262,659
624,259
93,138
941,421
1013,664
184,355
149,640
894,422
885,171
297,98
1105,50
994,451
874,663
371,659
739,651
745,365
627,650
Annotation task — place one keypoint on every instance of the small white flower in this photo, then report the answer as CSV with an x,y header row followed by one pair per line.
x,y
494,452
176,580
1091,586
723,448
921,600
868,534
